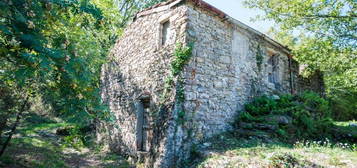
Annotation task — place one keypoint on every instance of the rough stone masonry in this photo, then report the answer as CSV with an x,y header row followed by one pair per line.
x,y
230,64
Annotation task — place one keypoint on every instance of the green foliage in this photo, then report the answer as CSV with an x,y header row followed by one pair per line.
x,y
344,106
322,35
75,138
55,49
37,146
282,133
127,9
36,119
153,2
261,106
182,55
181,116
194,151
180,96
246,116
311,114
259,57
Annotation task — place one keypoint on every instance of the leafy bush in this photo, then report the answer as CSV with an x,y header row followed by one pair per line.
x,y
36,119
182,56
310,114
344,105
76,136
261,106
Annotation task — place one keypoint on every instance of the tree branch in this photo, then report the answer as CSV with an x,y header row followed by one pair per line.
x,y
331,16
13,129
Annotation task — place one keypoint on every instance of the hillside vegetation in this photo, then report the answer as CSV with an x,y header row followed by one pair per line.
x,y
283,131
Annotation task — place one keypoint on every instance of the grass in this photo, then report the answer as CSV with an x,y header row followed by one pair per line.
x,y
255,153
36,145
230,150
33,150
347,127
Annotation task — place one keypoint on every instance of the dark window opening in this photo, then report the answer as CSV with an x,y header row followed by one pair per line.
x,y
165,32
146,102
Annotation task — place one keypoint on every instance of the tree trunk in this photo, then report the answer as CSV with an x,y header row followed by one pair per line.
x,y
13,129
2,125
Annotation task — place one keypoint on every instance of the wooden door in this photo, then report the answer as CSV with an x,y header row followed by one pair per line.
x,y
142,124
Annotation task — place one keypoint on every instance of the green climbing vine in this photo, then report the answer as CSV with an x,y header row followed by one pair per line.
x,y
259,57
182,55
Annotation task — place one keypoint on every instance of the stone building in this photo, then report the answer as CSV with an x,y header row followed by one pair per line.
x,y
229,65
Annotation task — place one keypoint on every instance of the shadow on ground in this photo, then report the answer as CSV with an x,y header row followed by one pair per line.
x,y
36,145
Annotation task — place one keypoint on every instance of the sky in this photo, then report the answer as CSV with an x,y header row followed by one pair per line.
x,y
237,10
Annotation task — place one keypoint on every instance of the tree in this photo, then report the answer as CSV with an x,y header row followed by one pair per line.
x,y
55,49
322,34
128,8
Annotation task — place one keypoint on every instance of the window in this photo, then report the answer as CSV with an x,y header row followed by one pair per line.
x,y
273,75
165,32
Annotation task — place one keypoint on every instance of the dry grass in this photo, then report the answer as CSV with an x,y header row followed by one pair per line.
x,y
231,152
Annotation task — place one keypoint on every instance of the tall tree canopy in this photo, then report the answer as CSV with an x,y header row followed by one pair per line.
x,y
322,34
54,49
58,46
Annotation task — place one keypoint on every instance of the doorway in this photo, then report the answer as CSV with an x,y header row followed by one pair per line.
x,y
142,107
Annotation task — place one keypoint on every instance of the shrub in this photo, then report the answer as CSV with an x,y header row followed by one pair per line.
x,y
76,136
261,106
310,114
344,106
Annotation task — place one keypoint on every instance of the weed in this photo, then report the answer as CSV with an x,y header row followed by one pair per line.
x,y
283,160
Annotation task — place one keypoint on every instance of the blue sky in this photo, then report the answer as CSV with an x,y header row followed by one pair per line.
x,y
236,9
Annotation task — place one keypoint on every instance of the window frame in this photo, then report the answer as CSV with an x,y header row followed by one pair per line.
x,y
163,19
273,74
165,32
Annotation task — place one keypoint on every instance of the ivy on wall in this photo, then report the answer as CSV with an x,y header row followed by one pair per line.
x,y
259,57
182,55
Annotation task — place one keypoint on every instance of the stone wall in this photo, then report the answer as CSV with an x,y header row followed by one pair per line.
x,y
229,67
140,64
